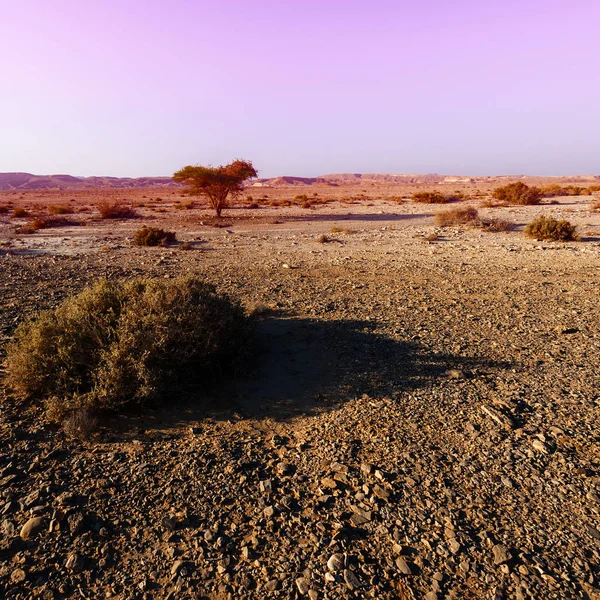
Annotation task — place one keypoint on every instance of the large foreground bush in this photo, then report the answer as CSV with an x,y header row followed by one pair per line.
x,y
115,345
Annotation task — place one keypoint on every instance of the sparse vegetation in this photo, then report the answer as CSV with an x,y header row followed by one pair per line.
x,y
456,216
115,209
121,344
496,225
20,213
548,228
3,210
518,193
595,205
552,191
323,239
152,236
55,209
431,198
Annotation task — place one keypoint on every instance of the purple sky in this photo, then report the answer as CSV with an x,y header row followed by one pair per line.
x,y
300,87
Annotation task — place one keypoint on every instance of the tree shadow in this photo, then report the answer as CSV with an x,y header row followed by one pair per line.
x,y
306,366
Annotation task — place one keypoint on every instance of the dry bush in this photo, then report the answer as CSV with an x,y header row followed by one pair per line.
x,y
456,216
81,424
189,205
20,213
548,228
518,193
551,191
492,203
186,246
323,239
436,197
152,236
3,210
496,225
114,209
254,205
121,344
59,210
45,223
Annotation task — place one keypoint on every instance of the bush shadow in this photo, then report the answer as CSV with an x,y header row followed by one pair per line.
x,y
304,366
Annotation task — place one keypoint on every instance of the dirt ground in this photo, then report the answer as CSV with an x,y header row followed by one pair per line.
x,y
420,419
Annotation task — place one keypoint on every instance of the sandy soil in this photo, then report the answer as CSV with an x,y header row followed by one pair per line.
x,y
420,421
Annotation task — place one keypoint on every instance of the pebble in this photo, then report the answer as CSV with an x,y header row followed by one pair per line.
x,y
32,528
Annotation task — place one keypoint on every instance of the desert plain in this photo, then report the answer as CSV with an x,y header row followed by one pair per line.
x,y
420,417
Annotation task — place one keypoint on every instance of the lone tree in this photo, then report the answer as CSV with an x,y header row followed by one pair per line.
x,y
218,184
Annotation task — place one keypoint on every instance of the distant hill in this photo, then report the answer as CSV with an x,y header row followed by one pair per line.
x,y
28,181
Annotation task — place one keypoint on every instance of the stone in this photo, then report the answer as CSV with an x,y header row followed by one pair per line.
x,y
272,585
303,585
32,528
336,562
75,562
18,576
501,554
403,566
351,579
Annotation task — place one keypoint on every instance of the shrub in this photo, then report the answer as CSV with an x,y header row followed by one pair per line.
x,y
496,225
323,239
456,216
113,209
3,210
59,210
548,228
151,236
595,205
116,345
20,213
431,198
45,223
518,193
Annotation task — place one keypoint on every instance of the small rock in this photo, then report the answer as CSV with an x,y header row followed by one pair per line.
x,y
336,562
303,585
351,580
284,469
272,585
75,562
501,554
18,576
403,566
32,528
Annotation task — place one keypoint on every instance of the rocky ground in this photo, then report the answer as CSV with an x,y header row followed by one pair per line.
x,y
421,420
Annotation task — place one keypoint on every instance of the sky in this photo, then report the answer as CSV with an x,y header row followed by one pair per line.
x,y
300,87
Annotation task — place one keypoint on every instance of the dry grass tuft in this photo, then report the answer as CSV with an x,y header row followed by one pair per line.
x,y
113,209
152,236
595,205
323,239
433,198
3,209
496,225
121,344
456,216
59,210
548,228
20,213
81,424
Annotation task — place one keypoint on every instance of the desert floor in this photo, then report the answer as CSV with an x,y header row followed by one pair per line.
x,y
420,419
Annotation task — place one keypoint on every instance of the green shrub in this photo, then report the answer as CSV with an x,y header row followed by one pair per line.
x,y
151,236
548,228
456,216
116,345
518,193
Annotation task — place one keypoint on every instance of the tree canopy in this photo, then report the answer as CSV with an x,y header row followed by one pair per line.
x,y
218,184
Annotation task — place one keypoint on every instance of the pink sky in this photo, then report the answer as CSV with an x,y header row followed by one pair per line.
x,y
132,87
